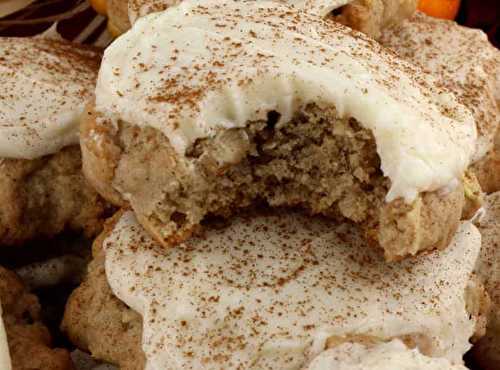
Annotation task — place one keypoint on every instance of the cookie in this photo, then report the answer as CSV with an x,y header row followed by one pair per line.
x,y
487,350
466,64
42,188
271,290
28,339
322,118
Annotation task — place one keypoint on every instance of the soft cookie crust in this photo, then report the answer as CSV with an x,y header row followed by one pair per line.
x,y
98,322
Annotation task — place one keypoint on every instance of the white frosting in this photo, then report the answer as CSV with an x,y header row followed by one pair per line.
x,y
393,355
45,85
204,66
4,347
268,291
463,59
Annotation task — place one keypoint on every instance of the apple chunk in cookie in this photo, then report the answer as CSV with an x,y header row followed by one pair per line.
x,y
45,85
270,291
209,107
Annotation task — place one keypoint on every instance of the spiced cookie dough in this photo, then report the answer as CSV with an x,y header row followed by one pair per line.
x,y
468,65
487,350
321,118
29,341
270,291
45,85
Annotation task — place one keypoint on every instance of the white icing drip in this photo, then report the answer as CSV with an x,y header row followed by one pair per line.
x,y
45,85
201,67
393,355
268,291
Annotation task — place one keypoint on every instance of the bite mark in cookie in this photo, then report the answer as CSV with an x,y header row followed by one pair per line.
x,y
289,120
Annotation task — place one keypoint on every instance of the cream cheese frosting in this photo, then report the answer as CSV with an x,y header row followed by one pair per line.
x,y
201,67
5,363
392,355
270,291
463,59
45,86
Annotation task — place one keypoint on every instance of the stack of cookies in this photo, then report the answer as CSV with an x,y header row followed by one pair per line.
x,y
267,187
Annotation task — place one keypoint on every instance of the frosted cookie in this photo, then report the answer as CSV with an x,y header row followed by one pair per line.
x,y
45,85
466,64
270,291
394,355
28,339
321,118
487,351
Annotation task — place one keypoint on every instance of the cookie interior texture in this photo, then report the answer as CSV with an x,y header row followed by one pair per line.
x,y
318,161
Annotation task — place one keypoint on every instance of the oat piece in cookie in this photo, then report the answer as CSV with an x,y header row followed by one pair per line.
x,y
468,65
321,118
393,355
28,339
487,350
271,291
45,85
98,322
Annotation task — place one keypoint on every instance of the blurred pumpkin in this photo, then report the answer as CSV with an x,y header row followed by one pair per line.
x,y
446,9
